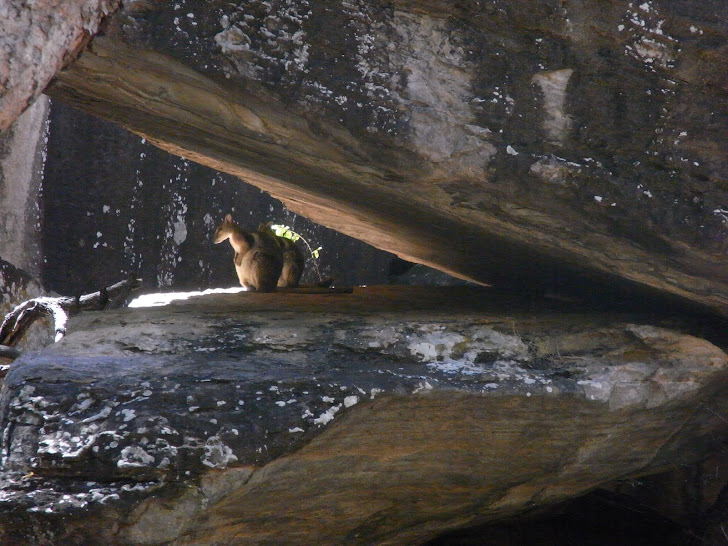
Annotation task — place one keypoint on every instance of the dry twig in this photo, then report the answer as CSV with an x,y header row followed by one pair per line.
x,y
17,322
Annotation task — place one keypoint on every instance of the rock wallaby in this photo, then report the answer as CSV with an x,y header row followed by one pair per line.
x,y
258,255
293,259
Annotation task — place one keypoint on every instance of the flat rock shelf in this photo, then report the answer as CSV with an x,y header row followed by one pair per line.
x,y
389,415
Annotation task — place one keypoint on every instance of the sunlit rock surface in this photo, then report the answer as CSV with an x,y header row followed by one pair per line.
x,y
498,141
388,415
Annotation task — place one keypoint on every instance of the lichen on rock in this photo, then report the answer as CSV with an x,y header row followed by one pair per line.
x,y
296,396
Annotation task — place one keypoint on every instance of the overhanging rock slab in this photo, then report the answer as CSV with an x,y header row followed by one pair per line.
x,y
388,415
513,143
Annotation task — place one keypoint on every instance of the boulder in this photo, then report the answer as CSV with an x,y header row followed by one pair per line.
x,y
388,415
21,176
503,142
38,39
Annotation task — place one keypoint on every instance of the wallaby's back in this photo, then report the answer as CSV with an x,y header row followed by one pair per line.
x,y
259,269
293,263
258,257
293,258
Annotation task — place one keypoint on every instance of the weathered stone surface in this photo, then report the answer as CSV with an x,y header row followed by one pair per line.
x,y
37,40
488,140
386,416
21,172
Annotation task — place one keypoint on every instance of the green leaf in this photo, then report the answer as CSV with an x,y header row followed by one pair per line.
x,y
285,231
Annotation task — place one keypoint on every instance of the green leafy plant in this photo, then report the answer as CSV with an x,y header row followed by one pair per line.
x,y
285,231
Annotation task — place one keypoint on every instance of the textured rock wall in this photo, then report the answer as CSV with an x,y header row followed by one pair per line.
x,y
384,416
491,140
38,39
22,155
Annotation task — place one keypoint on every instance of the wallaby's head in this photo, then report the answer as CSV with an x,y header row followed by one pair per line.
x,y
224,230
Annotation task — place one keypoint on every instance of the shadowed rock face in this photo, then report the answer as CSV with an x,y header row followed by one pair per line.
x,y
492,141
388,415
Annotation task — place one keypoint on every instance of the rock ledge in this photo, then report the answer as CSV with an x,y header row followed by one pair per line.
x,y
388,415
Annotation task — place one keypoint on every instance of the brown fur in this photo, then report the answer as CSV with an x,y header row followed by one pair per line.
x,y
258,257
293,259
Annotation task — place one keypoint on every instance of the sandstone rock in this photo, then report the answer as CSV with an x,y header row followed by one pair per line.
x,y
388,416
38,39
21,173
492,141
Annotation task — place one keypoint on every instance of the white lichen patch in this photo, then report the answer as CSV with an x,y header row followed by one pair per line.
x,y
554,169
436,74
282,337
553,84
85,402
280,41
327,416
66,445
134,457
722,213
217,454
376,337
103,414
442,347
180,229
423,386
648,41
32,404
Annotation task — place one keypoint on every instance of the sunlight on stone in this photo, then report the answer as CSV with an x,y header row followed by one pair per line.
x,y
164,298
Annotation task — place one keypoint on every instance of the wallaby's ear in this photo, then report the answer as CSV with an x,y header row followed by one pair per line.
x,y
229,218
